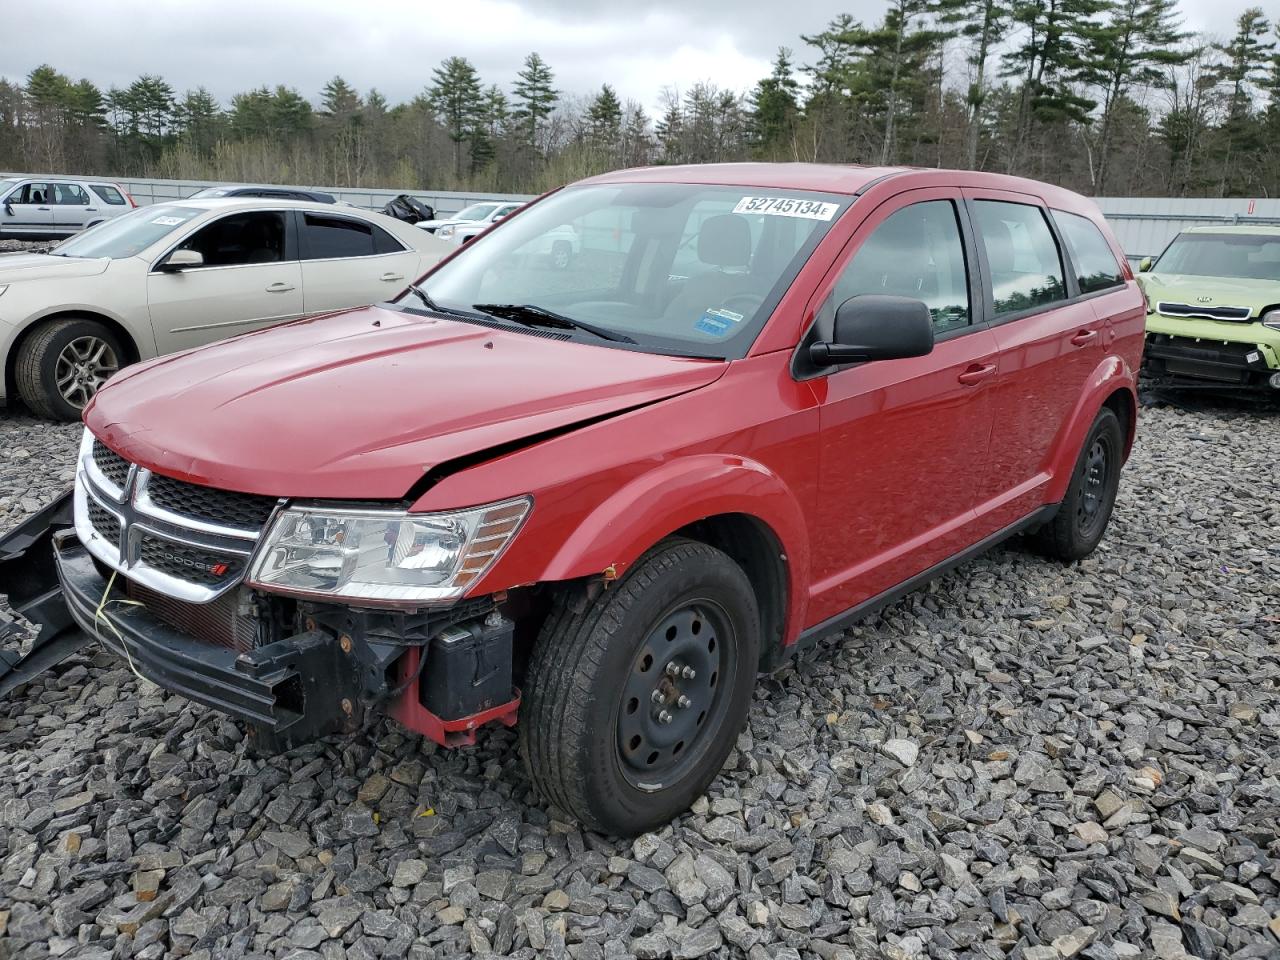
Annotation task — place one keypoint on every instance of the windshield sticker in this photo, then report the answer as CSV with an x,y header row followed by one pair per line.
x,y
169,221
787,207
717,323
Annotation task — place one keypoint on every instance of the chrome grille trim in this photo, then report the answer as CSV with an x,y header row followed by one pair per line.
x,y
1203,312
138,519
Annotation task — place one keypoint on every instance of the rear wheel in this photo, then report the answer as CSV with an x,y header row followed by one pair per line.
x,y
633,702
1081,520
62,364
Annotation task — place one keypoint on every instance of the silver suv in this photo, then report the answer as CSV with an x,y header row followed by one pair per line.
x,y
51,208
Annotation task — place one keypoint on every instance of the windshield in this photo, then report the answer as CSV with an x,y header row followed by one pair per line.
x,y
129,235
210,192
677,268
477,211
1245,256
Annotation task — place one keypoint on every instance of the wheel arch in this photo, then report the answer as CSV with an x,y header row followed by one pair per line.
x,y
127,341
1111,385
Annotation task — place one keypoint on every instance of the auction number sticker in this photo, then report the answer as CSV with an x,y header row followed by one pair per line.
x,y
788,207
169,221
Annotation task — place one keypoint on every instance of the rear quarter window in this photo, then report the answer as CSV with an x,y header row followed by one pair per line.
x,y
1095,265
108,194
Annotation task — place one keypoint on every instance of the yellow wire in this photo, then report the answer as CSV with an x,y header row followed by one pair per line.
x,y
99,615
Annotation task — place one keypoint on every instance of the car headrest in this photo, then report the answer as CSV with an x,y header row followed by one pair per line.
x,y
725,241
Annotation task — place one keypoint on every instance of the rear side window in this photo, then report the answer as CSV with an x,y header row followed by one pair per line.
x,y
1022,256
108,193
917,252
69,195
328,238
1095,264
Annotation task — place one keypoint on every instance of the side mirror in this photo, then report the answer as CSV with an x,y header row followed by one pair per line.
x,y
874,327
8,206
1145,264
181,260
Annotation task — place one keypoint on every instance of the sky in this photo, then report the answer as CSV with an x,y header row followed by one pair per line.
x,y
639,47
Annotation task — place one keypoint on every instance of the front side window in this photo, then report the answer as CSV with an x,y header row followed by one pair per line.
x,y
128,235
1242,255
916,252
108,193
678,268
1026,270
477,211
31,193
69,194
240,239
1095,265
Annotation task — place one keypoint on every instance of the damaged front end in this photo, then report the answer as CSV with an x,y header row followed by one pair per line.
x,y
155,573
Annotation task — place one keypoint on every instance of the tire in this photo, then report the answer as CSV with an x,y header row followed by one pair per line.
x,y
582,714
1081,520
561,254
84,350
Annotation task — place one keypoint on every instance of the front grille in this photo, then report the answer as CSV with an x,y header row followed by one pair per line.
x,y
224,507
1233,314
217,623
105,522
196,565
113,466
1224,362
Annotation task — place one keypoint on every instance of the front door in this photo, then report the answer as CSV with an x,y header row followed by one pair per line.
x,y
1050,343
349,262
250,279
903,442
27,211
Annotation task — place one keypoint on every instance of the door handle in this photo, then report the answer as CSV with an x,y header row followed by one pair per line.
x,y
45,209
389,277
1084,338
90,209
280,287
976,373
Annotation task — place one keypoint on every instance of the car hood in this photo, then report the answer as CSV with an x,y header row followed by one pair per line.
x,y
1220,291
362,404
434,224
41,266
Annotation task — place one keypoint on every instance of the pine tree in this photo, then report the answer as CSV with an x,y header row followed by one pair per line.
x,y
982,24
340,100
199,117
604,118
774,105
456,99
535,97
1135,46
1247,58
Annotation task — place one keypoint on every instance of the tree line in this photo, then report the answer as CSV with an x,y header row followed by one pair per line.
x,y
1102,96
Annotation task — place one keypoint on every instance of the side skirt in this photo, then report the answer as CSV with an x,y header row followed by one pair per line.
x,y
810,637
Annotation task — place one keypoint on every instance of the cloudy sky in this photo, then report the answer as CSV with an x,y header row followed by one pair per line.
x,y
638,46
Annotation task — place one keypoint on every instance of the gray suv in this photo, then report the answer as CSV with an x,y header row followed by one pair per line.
x,y
51,208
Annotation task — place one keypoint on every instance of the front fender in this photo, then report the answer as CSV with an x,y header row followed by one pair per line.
x,y
1112,375
617,532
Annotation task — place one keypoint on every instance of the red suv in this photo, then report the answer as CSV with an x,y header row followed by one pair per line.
x,y
599,498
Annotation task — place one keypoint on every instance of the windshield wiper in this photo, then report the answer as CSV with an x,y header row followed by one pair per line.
x,y
425,298
532,315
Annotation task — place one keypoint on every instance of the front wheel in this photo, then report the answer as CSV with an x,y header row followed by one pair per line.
x,y
61,365
1082,518
634,701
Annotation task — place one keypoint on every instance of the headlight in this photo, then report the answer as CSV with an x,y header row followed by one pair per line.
x,y
444,233
1270,318
384,556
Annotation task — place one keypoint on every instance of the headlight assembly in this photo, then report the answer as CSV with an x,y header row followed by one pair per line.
x,y
383,556
444,233
1271,318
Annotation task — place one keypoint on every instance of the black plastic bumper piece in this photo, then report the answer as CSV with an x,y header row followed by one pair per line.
x,y
289,692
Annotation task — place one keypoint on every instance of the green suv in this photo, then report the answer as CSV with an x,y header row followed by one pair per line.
x,y
1213,311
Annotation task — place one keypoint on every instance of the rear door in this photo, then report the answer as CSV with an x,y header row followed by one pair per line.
x,y
1050,341
27,211
71,207
251,278
349,262
903,442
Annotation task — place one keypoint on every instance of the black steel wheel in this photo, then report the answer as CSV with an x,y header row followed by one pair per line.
x,y
634,700
1082,518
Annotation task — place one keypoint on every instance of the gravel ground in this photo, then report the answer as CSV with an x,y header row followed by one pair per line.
x,y
1025,761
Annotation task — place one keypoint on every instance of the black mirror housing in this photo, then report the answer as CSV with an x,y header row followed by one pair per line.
x,y
874,327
